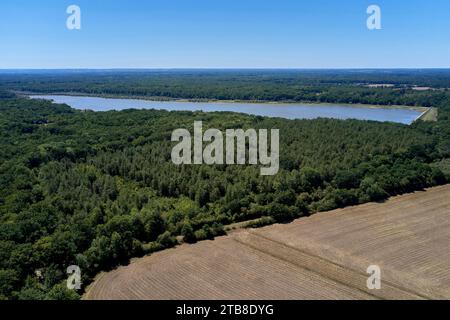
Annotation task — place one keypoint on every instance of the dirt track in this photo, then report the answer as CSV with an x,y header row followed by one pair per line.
x,y
321,257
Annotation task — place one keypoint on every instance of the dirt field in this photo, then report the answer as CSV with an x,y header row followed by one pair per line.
x,y
322,257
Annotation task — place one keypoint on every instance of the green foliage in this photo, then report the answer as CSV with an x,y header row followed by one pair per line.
x,y
344,86
95,189
60,292
166,240
8,281
188,233
260,222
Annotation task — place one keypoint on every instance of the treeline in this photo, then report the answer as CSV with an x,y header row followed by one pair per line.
x,y
346,86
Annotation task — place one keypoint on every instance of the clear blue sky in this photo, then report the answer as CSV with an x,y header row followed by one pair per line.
x,y
224,34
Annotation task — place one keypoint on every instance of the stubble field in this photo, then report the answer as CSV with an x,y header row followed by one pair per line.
x,y
321,257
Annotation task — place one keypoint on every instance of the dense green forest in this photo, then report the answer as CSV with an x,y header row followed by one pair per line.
x,y
96,188
343,86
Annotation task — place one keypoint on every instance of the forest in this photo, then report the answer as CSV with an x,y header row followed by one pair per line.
x,y
95,189
338,86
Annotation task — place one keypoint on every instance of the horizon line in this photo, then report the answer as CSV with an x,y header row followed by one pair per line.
x,y
227,68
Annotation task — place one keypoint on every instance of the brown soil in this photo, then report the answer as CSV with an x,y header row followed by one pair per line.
x,y
322,257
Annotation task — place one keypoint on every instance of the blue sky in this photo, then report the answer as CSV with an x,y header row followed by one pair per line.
x,y
224,34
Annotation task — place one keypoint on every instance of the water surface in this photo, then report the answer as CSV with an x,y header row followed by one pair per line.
x,y
288,111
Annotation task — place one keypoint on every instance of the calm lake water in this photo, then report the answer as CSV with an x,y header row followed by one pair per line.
x,y
288,111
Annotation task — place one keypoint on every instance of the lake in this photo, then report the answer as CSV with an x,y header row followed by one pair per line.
x,y
288,111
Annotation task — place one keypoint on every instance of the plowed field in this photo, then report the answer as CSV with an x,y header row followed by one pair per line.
x,y
321,257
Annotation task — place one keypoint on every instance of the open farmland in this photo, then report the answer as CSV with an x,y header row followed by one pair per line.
x,y
321,257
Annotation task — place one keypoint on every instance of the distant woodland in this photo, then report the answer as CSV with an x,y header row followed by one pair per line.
x,y
343,86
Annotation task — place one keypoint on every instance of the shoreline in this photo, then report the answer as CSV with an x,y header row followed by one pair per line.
x,y
181,100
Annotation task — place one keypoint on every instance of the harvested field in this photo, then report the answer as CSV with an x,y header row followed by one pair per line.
x,y
322,257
